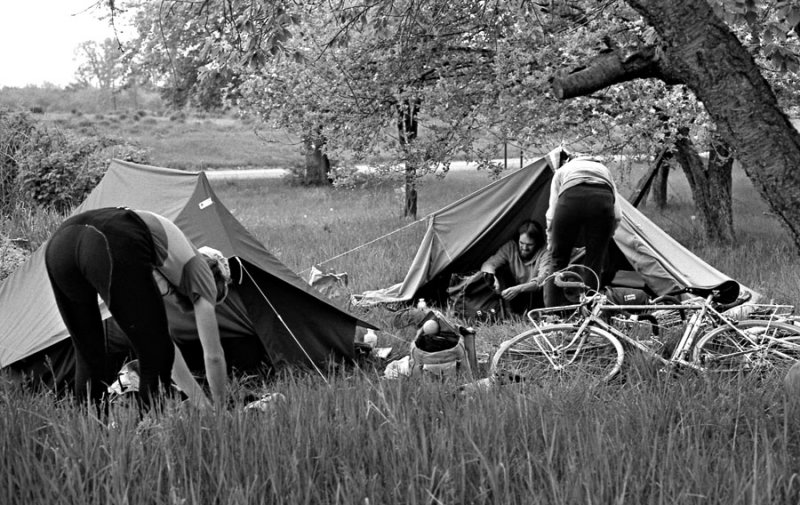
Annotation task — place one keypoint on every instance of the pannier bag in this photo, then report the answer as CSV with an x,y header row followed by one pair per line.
x,y
626,296
473,298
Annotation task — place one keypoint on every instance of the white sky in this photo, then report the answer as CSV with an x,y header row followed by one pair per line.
x,y
38,39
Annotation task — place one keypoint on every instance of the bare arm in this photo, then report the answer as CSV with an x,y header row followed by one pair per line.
x,y
213,355
513,291
185,380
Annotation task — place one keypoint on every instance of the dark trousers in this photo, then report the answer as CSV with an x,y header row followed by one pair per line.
x,y
585,212
110,252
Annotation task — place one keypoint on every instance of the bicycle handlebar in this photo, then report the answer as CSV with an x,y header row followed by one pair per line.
x,y
562,283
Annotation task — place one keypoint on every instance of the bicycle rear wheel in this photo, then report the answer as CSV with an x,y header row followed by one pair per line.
x,y
557,352
760,346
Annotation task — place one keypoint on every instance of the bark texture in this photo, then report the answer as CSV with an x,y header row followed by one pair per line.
x,y
711,187
612,67
407,128
702,52
317,166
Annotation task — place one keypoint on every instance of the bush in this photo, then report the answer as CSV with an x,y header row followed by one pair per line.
x,y
16,129
49,168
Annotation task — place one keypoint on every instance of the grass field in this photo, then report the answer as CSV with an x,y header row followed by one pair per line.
x,y
650,438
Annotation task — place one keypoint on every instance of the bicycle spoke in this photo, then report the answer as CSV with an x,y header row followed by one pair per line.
x,y
555,353
754,346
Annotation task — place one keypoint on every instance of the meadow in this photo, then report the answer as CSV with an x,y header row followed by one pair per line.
x,y
356,438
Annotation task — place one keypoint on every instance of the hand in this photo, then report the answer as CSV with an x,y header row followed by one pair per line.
x,y
511,293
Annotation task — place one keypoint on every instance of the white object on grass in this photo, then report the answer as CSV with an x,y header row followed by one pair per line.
x,y
398,368
371,338
267,402
430,327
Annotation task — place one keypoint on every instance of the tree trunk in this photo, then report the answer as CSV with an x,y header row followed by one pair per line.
x,y
318,166
407,128
711,61
711,187
659,195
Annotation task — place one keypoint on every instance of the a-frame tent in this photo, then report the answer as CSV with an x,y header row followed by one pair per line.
x,y
271,316
460,236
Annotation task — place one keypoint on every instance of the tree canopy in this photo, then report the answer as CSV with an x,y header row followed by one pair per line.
x,y
478,73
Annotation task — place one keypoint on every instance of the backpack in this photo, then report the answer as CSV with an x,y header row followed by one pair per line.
x,y
473,298
443,353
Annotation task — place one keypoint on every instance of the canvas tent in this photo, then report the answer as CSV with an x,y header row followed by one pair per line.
x,y
270,317
460,236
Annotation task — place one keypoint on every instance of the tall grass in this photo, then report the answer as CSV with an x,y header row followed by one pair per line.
x,y
359,440
649,438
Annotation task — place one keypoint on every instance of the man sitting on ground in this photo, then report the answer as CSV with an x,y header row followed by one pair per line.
x,y
520,268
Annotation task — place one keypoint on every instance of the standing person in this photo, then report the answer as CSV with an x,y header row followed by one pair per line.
x,y
583,203
130,258
520,267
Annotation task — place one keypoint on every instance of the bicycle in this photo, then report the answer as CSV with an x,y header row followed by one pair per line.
x,y
592,348
769,339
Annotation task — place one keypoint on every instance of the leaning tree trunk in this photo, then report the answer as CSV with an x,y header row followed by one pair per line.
x,y
661,181
710,185
407,128
712,62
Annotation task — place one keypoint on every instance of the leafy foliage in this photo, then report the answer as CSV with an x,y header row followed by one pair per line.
x,y
46,167
478,72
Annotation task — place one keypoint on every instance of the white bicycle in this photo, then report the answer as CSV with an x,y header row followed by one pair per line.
x,y
592,347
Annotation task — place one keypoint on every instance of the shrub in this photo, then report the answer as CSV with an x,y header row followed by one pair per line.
x,y
50,168
16,128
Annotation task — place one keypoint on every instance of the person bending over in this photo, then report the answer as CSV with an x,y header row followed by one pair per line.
x,y
583,203
520,267
131,258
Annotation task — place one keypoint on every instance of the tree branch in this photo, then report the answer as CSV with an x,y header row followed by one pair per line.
x,y
611,67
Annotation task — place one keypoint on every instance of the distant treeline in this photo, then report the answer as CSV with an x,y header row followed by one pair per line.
x,y
86,100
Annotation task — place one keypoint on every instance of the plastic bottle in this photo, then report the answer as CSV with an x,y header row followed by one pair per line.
x,y
421,304
371,338
740,312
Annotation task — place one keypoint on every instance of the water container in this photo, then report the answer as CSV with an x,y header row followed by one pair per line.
x,y
371,338
739,312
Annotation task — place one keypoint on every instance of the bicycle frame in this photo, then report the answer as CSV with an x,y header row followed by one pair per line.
x,y
548,352
702,310
598,303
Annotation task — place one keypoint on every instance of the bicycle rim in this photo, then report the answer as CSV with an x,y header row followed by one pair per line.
x,y
764,347
553,353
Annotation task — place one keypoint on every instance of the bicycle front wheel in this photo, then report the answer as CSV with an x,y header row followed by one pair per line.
x,y
558,352
755,345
